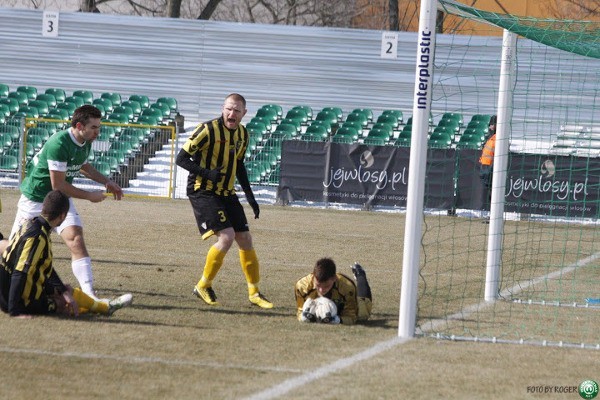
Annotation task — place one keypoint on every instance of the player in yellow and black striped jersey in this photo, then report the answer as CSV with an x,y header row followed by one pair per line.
x,y
29,284
214,157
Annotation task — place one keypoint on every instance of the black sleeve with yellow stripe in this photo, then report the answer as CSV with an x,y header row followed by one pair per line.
x,y
213,146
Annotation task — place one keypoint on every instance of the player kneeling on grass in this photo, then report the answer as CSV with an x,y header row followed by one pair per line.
x,y
29,284
329,297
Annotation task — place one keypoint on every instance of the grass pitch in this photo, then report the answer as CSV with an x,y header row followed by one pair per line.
x,y
169,344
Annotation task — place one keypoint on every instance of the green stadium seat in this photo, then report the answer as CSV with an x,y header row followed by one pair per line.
x,y
43,133
9,162
59,94
480,125
148,119
112,96
385,127
379,133
4,110
40,105
118,118
485,118
256,171
450,124
139,133
270,157
342,139
106,103
152,112
113,162
348,132
31,91
354,124
458,117
78,101
388,119
317,131
102,166
21,97
295,122
263,120
62,113
396,113
404,137
267,113
284,131
324,123
367,112
12,104
49,99
277,108
102,110
375,141
307,110
4,90
135,106
337,111
68,106
256,129
122,155
358,117
128,111
142,99
51,127
170,101
86,95
297,114
123,146
2,119
440,140
6,140
35,141
30,112
164,107
469,142
329,117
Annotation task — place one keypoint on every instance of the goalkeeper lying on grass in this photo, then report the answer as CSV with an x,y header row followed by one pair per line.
x,y
349,303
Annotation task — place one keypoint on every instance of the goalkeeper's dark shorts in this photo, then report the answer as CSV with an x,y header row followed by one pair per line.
x,y
214,213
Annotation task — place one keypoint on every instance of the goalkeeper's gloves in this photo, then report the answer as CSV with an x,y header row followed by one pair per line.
x,y
308,311
330,320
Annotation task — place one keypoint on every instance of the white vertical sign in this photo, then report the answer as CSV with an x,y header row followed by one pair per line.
x,y
389,45
50,24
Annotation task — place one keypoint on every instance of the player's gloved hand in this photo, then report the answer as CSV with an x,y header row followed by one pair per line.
x,y
308,311
330,320
213,175
252,201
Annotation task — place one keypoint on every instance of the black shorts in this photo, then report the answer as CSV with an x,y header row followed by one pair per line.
x,y
214,213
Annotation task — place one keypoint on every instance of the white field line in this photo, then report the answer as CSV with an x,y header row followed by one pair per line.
x,y
292,383
146,360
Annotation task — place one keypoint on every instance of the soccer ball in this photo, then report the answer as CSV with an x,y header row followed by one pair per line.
x,y
325,309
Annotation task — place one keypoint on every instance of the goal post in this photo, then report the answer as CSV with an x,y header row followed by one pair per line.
x,y
418,159
526,269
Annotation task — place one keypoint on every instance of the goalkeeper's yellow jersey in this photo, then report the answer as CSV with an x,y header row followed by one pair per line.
x,y
343,294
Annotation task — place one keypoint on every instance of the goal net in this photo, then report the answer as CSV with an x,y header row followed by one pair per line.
x,y
533,276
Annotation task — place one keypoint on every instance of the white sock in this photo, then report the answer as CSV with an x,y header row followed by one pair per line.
x,y
82,269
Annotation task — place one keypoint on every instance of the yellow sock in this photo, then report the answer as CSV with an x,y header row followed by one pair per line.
x,y
249,263
87,304
214,261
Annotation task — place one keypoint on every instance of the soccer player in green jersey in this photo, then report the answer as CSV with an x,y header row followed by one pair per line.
x,y
62,157
214,157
